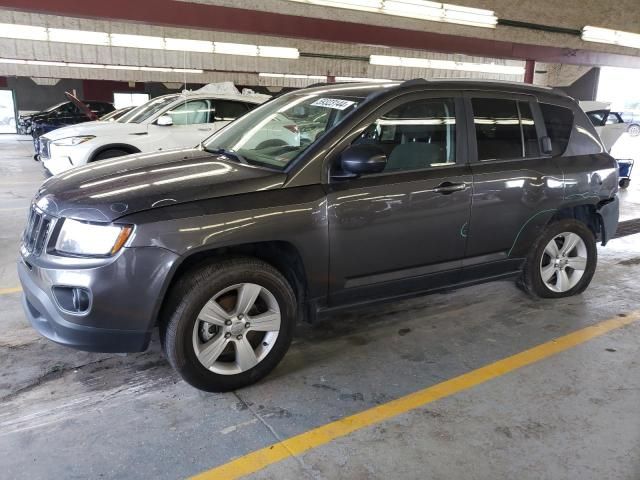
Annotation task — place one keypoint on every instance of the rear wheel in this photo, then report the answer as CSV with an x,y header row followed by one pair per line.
x,y
634,130
624,182
562,262
228,324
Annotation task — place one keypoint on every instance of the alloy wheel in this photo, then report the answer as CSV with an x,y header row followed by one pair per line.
x,y
563,262
236,329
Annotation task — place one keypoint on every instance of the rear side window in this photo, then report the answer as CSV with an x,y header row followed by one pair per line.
x,y
559,123
226,110
504,129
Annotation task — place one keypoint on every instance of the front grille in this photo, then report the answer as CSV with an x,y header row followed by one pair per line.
x,y
37,231
44,147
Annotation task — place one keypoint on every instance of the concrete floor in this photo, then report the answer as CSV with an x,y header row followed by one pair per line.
x,y
69,414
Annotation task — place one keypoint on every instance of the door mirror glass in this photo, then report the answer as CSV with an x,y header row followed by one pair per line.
x,y
164,121
363,159
547,146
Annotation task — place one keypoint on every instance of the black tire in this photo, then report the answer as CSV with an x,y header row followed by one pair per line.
x,y
111,153
531,279
187,298
624,182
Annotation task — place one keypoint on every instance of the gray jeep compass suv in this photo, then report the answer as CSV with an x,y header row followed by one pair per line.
x,y
320,199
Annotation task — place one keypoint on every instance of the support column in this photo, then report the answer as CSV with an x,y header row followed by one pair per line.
x,y
529,70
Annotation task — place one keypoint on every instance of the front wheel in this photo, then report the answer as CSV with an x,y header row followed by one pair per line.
x,y
111,153
562,262
228,324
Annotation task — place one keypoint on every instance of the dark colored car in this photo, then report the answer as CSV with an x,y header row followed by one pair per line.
x,y
66,113
406,188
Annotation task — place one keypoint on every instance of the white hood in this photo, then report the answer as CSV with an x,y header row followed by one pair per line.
x,y
97,129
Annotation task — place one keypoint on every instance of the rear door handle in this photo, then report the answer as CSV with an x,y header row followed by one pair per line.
x,y
204,129
446,188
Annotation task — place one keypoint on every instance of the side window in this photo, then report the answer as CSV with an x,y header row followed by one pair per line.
x,y
68,108
504,129
415,135
559,123
597,117
227,111
529,134
613,118
191,112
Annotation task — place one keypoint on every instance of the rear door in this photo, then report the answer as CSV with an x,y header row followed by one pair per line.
x,y
513,182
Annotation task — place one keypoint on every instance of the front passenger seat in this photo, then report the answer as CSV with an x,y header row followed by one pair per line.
x,y
413,156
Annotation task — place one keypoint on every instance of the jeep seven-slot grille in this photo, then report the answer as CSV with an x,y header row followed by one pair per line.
x,y
37,231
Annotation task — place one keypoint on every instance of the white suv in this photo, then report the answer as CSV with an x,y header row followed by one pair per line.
x,y
164,123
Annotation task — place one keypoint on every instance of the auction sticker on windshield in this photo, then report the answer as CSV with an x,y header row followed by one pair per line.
x,y
335,103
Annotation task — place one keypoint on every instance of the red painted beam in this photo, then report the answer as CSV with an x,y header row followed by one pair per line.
x,y
214,17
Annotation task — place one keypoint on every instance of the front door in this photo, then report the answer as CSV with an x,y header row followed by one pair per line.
x,y
404,229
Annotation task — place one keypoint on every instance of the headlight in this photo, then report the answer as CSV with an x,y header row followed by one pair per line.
x,y
88,239
71,141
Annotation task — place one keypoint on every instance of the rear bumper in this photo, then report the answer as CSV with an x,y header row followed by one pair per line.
x,y
125,294
609,214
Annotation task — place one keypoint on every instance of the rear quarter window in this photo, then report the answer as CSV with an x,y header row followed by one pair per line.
x,y
559,123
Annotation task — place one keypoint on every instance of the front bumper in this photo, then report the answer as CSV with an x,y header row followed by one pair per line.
x,y
57,165
126,293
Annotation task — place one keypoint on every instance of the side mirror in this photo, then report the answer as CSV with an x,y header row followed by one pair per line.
x,y
547,147
164,121
364,158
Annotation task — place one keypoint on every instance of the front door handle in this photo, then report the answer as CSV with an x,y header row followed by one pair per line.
x,y
204,129
446,188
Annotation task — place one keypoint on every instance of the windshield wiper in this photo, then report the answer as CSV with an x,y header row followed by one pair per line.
x,y
227,153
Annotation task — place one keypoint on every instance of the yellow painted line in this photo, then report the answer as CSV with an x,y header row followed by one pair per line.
x,y
306,441
6,291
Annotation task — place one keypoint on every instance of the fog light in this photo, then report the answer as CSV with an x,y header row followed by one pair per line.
x,y
72,299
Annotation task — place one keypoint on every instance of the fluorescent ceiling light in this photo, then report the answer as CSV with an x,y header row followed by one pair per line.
x,y
95,65
137,41
361,79
278,52
185,45
85,65
445,65
187,70
28,32
121,67
12,60
78,36
156,69
293,76
43,62
614,37
235,49
22,32
420,9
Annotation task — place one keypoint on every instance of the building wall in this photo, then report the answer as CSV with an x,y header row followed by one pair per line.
x,y
32,97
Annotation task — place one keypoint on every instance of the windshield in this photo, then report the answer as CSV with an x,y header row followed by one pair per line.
x,y
275,133
57,105
147,110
